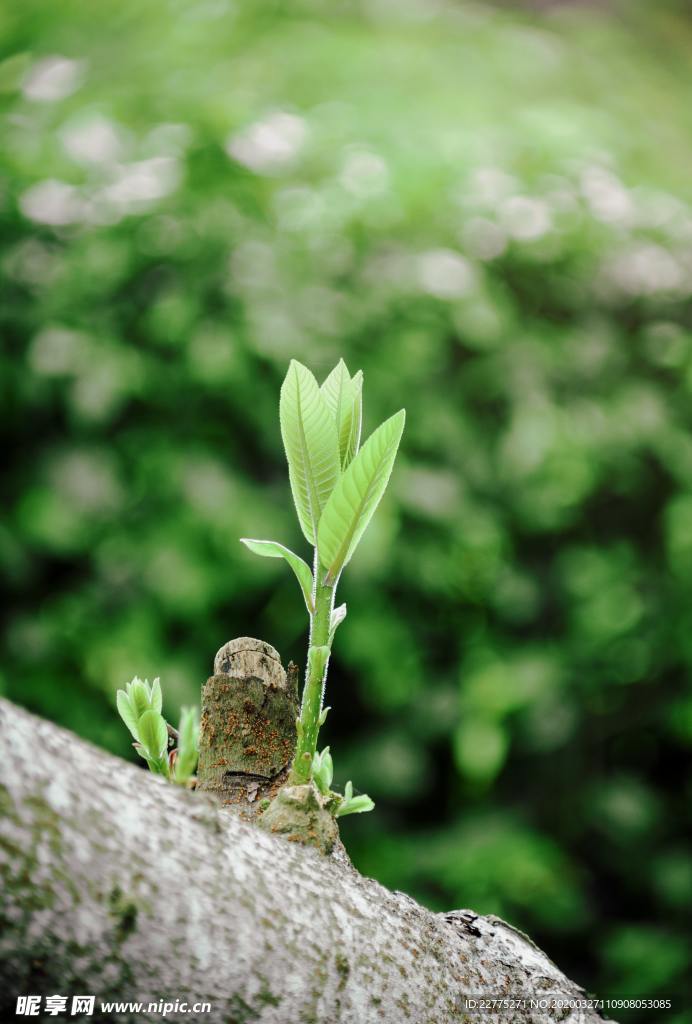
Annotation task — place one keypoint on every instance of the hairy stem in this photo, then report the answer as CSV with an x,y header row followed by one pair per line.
x,y
315,677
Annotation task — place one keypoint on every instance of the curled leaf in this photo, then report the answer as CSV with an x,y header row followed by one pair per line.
x,y
338,616
272,549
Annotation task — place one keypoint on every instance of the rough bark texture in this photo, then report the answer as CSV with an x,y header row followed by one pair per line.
x,y
120,884
248,726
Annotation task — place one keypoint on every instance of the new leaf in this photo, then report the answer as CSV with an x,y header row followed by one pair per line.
x,y
188,745
357,495
341,395
127,713
153,734
272,549
356,420
311,441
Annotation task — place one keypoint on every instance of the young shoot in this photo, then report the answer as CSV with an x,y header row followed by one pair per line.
x,y
139,706
336,486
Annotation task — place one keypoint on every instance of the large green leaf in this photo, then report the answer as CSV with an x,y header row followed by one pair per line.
x,y
272,549
340,394
356,496
310,438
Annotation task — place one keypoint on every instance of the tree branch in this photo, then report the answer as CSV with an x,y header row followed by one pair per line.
x,y
120,884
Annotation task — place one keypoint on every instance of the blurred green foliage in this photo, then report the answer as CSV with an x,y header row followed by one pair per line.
x,y
491,213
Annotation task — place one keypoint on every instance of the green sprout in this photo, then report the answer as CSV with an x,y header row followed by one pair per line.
x,y
139,706
336,487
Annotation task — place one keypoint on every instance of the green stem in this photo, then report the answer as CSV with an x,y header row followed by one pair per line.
x,y
315,677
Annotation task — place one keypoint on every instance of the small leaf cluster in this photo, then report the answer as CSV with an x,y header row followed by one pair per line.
x,y
340,805
336,484
139,706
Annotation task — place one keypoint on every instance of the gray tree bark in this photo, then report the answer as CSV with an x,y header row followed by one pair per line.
x,y
118,884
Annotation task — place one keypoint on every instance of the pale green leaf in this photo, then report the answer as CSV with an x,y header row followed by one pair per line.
x,y
188,730
327,767
139,694
340,395
272,549
153,734
158,765
356,805
338,616
127,713
357,495
156,696
356,418
323,770
188,744
311,443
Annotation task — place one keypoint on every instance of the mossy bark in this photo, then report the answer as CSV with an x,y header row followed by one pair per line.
x,y
117,883
248,729
298,814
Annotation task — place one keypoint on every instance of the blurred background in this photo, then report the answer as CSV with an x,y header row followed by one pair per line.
x,y
489,210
